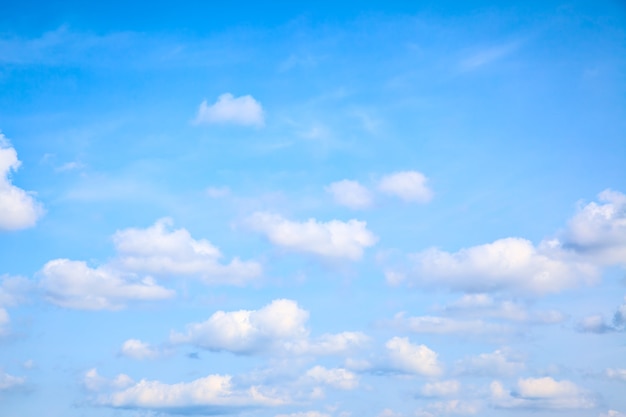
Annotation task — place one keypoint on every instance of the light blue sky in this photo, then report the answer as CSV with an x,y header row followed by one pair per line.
x,y
383,210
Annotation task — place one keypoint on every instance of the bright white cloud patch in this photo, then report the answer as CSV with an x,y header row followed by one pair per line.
x,y
413,359
244,110
73,284
512,264
208,394
334,239
350,194
407,185
136,349
159,250
337,378
598,231
541,393
618,374
18,209
8,382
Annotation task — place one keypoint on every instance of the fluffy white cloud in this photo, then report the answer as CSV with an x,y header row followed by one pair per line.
x,y
513,264
337,377
414,359
445,325
72,284
93,381
18,209
541,393
333,239
619,374
498,363
159,250
279,327
407,185
9,381
441,388
136,349
350,194
598,231
244,110
209,394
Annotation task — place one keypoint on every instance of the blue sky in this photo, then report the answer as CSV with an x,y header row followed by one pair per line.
x,y
388,209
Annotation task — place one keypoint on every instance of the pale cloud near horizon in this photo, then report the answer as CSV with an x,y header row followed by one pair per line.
x,y
18,208
334,239
244,110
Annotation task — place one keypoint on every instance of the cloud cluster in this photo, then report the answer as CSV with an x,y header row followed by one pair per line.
x,y
278,327
541,393
409,186
412,359
228,109
18,208
333,240
136,349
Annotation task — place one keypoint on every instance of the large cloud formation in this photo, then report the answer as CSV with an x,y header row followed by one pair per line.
x,y
18,209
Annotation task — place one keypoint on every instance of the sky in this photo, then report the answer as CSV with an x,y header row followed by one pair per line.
x,y
308,209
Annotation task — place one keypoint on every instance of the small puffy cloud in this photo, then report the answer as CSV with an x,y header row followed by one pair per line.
x,y
446,325
413,359
73,284
498,363
441,388
337,378
512,264
159,250
136,349
618,374
18,209
211,394
599,325
350,194
334,239
93,381
8,382
244,110
598,231
541,393
407,185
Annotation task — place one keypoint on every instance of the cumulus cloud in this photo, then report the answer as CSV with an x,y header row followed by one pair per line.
x,y
136,349
278,327
18,208
497,363
441,388
541,393
334,239
407,185
350,194
93,381
512,264
412,359
8,382
207,395
599,325
598,231
159,250
244,110
337,377
73,284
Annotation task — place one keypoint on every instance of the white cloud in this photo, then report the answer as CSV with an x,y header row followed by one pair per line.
x,y
211,393
350,194
513,264
441,388
598,324
407,185
337,377
8,382
333,239
414,359
619,374
93,381
161,251
329,344
612,413
445,325
72,284
598,231
541,393
244,110
452,407
136,349
18,209
498,363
